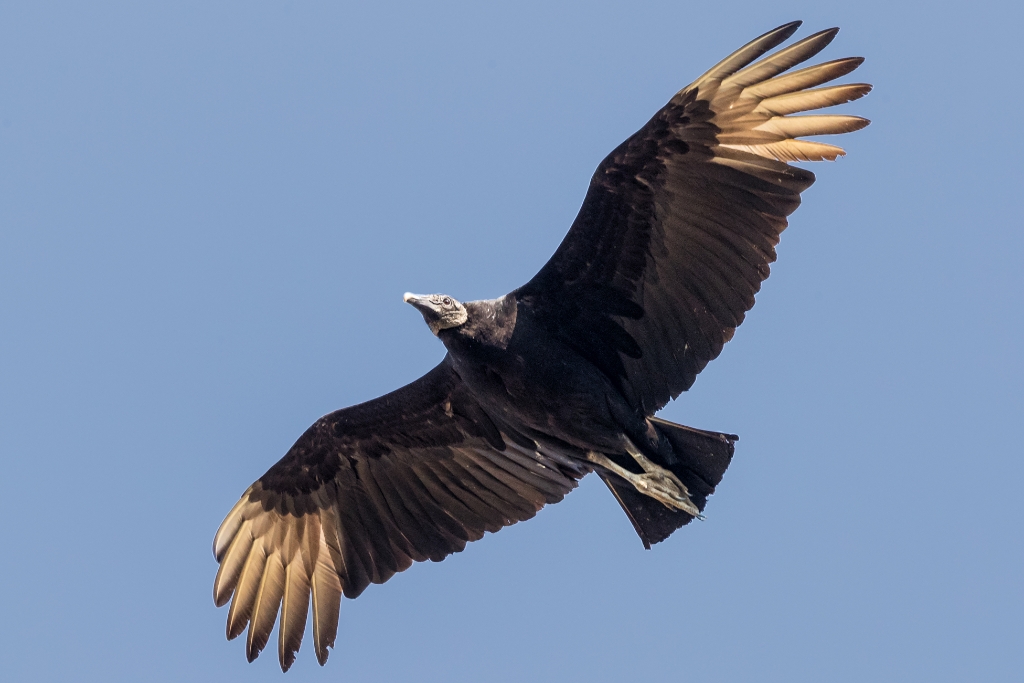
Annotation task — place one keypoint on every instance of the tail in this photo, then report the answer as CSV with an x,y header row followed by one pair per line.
x,y
703,458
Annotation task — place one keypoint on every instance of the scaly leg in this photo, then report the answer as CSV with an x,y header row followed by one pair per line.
x,y
656,481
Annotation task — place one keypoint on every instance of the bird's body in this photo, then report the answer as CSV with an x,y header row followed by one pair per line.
x,y
523,376
560,377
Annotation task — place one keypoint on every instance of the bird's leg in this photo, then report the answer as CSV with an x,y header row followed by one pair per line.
x,y
656,481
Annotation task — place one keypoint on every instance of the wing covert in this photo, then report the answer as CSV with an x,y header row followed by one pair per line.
x,y
365,492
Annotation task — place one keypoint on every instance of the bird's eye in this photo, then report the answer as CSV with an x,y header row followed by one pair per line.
x,y
447,301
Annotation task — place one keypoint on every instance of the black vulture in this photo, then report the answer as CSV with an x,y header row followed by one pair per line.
x,y
560,377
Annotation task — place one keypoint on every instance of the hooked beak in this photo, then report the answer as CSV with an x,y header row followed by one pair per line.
x,y
421,302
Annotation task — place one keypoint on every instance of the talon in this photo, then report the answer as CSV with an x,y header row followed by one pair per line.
x,y
656,482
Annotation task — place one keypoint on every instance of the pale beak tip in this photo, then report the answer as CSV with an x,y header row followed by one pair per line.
x,y
408,296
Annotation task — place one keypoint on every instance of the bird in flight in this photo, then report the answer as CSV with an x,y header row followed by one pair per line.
x,y
560,377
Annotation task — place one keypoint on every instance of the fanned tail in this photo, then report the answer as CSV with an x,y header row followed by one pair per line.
x,y
703,458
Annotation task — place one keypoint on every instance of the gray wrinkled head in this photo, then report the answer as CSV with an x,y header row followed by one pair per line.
x,y
439,310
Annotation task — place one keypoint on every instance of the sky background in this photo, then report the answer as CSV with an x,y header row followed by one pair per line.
x,y
208,215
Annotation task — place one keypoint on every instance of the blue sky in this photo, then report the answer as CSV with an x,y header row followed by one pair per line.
x,y
209,213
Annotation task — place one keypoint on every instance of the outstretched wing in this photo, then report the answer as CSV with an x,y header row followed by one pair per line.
x,y
681,220
410,476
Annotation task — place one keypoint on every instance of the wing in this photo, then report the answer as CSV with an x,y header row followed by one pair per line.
x,y
410,476
681,220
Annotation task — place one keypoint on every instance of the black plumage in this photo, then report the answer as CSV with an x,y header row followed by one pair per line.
x,y
560,377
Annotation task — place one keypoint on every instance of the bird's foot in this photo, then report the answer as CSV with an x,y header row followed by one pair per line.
x,y
656,482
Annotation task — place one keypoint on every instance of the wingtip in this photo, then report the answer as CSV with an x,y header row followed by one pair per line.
x,y
828,35
220,598
227,529
859,123
782,33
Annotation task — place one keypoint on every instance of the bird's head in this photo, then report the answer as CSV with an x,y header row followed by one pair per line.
x,y
439,310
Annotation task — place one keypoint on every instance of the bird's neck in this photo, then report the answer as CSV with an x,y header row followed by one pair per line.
x,y
491,324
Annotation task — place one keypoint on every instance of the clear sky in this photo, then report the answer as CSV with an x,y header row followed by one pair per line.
x,y
209,213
